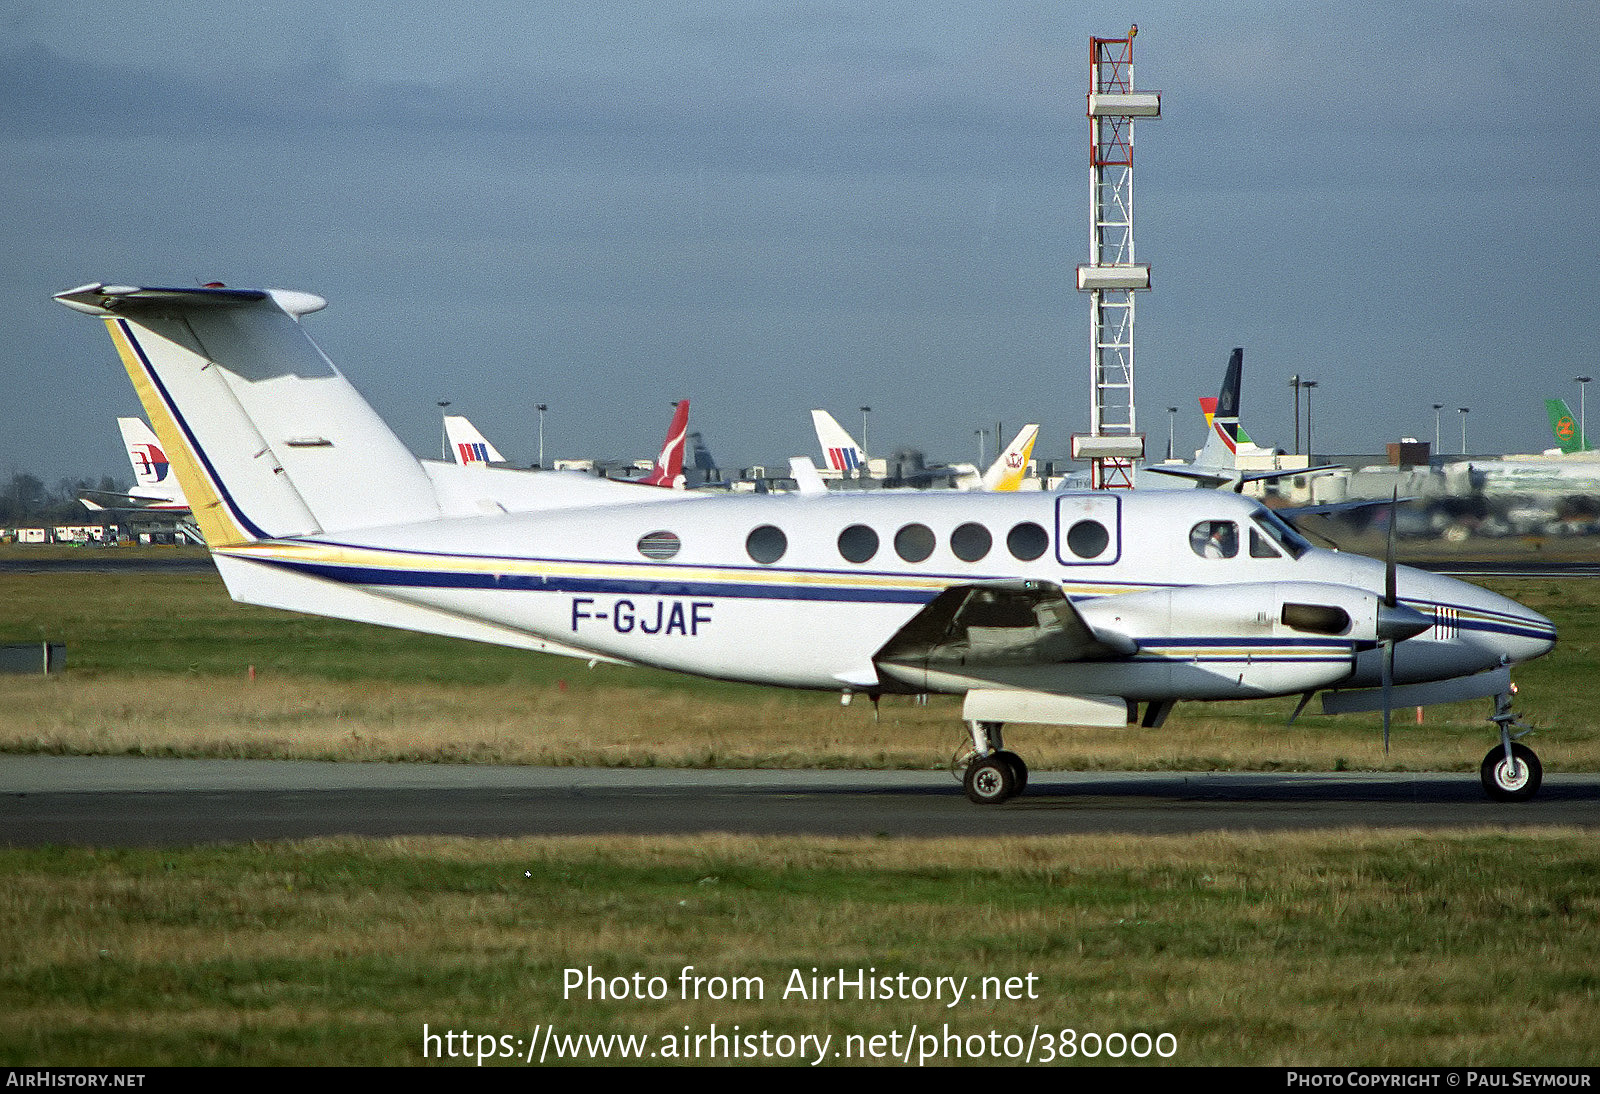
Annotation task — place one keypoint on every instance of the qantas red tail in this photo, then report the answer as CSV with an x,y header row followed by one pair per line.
x,y
668,471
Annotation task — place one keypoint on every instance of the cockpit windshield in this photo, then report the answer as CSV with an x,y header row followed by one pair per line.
x,y
1283,535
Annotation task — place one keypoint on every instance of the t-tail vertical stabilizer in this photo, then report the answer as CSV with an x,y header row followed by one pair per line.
x,y
267,438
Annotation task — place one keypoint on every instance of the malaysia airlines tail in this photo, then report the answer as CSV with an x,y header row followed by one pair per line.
x,y
155,487
1011,467
152,474
1567,430
668,469
468,447
840,452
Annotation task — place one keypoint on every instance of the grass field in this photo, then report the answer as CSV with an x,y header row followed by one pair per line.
x,y
1350,947
1334,949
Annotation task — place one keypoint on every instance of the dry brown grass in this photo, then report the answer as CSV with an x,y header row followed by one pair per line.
x,y
603,725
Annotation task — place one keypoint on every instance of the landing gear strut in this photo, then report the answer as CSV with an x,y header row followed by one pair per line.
x,y
1511,772
993,774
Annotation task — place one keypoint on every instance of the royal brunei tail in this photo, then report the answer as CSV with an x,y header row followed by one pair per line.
x,y
840,452
1568,432
668,469
1011,467
468,447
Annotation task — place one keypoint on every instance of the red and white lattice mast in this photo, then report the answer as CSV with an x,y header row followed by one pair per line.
x,y
1112,276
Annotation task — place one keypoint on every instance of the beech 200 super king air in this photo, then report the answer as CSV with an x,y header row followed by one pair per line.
x,y
1073,608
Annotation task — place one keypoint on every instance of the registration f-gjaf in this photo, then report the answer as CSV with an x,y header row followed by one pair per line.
x,y
1090,609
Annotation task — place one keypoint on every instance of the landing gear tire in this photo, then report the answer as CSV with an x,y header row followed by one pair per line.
x,y
1018,769
1501,783
990,780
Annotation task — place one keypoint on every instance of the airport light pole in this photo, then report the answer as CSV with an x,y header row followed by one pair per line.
x,y
444,434
542,408
865,448
1309,386
980,433
1172,425
1436,408
1465,410
1294,382
1583,424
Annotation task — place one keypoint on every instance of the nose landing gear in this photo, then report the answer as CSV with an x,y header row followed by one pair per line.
x,y
1511,772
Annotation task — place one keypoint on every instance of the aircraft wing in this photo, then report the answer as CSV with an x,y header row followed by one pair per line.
x,y
1214,479
107,500
1292,512
968,629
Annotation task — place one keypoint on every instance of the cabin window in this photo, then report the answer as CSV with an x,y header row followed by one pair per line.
x,y
766,544
1214,539
971,542
914,542
858,543
1088,539
1027,541
659,545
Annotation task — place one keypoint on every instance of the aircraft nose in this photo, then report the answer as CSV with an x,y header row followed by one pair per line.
x,y
1542,638
1522,632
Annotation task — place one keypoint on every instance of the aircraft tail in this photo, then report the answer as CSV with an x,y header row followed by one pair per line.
x,y
1568,433
668,469
467,445
839,450
1224,434
1009,469
152,473
266,437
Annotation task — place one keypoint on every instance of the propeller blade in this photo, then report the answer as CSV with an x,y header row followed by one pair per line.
x,y
1390,593
1388,682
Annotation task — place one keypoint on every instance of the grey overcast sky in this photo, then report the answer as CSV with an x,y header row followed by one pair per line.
x,y
766,207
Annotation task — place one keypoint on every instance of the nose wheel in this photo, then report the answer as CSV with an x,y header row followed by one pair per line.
x,y
1513,778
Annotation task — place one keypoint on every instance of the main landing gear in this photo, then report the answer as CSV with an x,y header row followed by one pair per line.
x,y
1511,772
993,773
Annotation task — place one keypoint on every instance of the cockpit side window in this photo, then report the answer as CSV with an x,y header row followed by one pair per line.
x,y
1260,547
1214,539
1292,542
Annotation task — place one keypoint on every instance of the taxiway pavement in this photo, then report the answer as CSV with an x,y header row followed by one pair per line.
x,y
127,801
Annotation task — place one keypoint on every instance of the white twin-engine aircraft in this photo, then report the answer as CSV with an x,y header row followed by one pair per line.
x,y
1069,608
